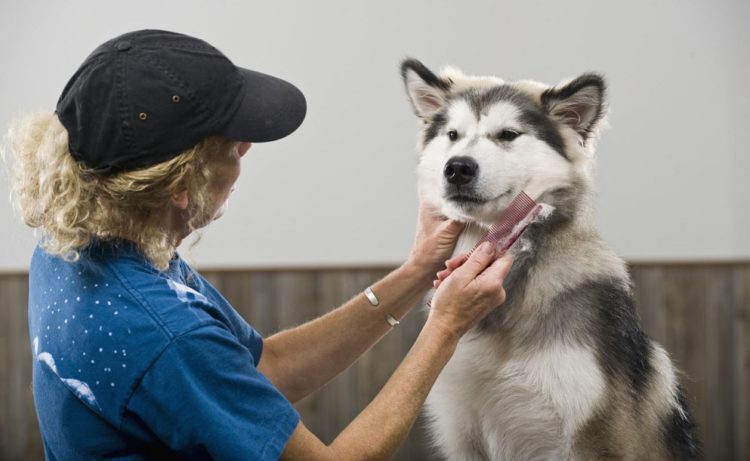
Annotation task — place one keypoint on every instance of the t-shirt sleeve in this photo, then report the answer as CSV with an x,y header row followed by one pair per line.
x,y
205,399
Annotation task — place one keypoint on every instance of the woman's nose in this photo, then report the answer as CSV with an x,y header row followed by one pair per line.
x,y
243,147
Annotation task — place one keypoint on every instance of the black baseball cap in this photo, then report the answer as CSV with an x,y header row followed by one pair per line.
x,y
145,96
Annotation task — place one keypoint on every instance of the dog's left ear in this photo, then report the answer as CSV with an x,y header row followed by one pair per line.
x,y
578,104
427,92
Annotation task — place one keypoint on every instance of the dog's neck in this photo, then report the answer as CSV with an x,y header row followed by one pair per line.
x,y
474,232
468,239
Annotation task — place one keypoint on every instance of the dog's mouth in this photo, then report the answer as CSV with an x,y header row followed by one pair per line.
x,y
469,199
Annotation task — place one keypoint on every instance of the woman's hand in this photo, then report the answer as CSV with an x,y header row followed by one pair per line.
x,y
473,290
435,240
450,265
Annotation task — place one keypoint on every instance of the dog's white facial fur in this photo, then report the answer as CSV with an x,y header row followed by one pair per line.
x,y
528,163
505,168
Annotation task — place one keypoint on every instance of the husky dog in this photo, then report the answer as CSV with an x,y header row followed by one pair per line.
x,y
561,371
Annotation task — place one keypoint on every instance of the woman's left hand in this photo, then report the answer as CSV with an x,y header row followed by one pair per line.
x,y
435,240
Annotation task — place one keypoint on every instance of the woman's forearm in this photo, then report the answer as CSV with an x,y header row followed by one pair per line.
x,y
378,431
302,359
382,426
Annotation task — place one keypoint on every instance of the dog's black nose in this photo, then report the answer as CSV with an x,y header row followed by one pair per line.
x,y
460,170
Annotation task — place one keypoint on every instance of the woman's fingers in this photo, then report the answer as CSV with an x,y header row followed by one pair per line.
x,y
472,291
476,263
456,261
493,277
499,269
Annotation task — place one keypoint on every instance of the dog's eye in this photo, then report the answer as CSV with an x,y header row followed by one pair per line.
x,y
508,135
452,135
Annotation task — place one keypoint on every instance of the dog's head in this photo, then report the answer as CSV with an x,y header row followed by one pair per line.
x,y
483,140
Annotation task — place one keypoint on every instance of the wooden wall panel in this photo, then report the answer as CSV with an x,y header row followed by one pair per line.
x,y
19,433
699,313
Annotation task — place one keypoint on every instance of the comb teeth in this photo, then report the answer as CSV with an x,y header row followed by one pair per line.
x,y
502,230
516,211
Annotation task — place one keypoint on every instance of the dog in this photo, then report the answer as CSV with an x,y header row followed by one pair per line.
x,y
562,370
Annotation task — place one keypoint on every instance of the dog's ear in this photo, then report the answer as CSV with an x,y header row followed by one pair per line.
x,y
579,104
427,92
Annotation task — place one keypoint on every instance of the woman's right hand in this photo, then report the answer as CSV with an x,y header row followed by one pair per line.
x,y
471,292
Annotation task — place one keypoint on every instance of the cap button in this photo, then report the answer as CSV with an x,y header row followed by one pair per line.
x,y
123,45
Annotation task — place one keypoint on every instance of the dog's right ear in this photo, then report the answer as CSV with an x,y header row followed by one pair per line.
x,y
427,92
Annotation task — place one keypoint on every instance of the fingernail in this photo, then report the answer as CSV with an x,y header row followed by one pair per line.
x,y
487,248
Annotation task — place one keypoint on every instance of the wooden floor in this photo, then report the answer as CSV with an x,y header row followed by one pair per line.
x,y
699,312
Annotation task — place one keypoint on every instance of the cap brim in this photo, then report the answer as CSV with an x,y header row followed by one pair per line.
x,y
271,108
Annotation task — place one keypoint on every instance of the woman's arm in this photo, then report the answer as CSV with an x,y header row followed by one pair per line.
x,y
300,360
470,294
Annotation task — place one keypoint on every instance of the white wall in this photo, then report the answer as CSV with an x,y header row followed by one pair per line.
x,y
340,191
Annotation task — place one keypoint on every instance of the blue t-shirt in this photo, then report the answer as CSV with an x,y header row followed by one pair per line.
x,y
131,363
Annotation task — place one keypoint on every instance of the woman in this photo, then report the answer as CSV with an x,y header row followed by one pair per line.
x,y
136,356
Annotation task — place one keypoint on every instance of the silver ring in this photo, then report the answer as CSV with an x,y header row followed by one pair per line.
x,y
391,320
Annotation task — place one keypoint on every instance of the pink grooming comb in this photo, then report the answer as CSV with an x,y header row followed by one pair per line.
x,y
508,227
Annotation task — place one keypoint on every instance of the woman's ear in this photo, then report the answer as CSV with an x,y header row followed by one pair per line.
x,y
180,200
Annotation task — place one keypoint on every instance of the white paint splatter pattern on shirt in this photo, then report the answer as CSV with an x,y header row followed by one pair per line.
x,y
183,291
80,388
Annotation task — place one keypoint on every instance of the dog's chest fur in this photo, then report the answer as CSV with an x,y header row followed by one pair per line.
x,y
521,404
513,388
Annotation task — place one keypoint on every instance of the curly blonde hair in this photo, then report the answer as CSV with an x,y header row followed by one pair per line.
x,y
72,205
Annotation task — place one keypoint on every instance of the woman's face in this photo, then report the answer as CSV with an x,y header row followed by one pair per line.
x,y
226,174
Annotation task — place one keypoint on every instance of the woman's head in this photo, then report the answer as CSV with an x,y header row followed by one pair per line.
x,y
138,147
155,207
145,96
